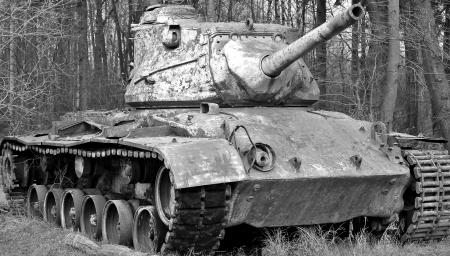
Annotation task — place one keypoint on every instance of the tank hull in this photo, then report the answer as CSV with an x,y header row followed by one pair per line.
x,y
317,168
326,188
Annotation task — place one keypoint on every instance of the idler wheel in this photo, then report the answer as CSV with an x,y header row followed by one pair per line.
x,y
52,205
91,216
165,195
117,222
148,230
35,200
71,202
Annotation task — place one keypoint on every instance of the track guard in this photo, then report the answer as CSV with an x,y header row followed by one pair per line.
x,y
203,162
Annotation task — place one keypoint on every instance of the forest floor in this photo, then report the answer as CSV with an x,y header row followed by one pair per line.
x,y
25,236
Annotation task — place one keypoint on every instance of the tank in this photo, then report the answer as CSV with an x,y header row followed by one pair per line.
x,y
220,135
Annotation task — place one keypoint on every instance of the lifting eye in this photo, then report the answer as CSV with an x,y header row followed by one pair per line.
x,y
171,36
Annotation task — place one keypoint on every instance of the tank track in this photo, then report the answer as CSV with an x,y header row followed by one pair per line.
x,y
45,150
430,218
200,213
200,218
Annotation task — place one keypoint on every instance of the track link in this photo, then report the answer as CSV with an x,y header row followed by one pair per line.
x,y
430,218
200,219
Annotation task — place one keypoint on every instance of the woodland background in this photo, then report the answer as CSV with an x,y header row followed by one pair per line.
x,y
58,56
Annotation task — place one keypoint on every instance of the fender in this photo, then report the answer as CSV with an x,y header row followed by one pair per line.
x,y
201,162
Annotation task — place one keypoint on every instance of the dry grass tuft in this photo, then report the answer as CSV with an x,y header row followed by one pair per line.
x,y
312,242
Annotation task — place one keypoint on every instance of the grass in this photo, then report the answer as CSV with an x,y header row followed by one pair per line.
x,y
312,242
25,236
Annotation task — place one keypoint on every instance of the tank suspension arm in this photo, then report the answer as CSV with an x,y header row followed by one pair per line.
x,y
273,64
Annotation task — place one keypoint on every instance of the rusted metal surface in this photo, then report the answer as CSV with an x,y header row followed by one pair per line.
x,y
296,80
337,137
313,200
205,63
322,151
198,162
178,74
275,63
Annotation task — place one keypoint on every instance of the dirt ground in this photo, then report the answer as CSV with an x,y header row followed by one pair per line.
x,y
25,236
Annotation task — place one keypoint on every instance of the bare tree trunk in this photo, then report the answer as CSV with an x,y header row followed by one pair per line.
x,y
355,48
412,71
230,11
291,18
82,54
283,12
122,63
12,63
446,45
377,54
390,91
252,10
269,10
219,10
433,69
355,74
277,14
129,35
321,50
363,42
263,12
303,25
100,59
211,10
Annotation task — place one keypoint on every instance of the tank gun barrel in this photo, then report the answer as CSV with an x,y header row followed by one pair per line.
x,y
273,64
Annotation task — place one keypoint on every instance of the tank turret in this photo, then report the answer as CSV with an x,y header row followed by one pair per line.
x,y
182,60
